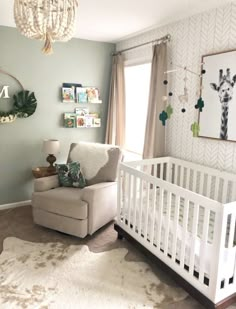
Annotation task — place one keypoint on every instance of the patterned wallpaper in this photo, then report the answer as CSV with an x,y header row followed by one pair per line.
x,y
205,33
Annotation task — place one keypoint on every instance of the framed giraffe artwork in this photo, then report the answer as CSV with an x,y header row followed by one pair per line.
x,y
218,91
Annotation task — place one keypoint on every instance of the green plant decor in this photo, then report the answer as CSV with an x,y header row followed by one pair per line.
x,y
24,106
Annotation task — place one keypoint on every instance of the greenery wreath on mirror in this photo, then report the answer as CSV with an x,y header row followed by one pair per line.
x,y
25,104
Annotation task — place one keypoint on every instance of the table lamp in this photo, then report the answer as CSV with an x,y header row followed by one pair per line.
x,y
51,147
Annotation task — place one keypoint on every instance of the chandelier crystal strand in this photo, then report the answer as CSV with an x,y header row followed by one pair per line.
x,y
47,20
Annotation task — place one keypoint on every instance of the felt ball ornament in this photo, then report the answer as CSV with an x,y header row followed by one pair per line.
x,y
165,82
183,110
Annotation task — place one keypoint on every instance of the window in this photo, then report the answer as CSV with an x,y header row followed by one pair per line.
x,y
137,81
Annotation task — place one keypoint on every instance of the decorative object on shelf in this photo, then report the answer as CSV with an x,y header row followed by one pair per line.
x,y
24,104
51,148
46,20
163,117
42,171
195,128
219,94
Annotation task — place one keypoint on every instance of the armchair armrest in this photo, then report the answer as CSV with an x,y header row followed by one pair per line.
x,y
102,203
46,183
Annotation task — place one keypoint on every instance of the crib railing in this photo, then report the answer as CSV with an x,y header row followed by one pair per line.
x,y
180,226
209,182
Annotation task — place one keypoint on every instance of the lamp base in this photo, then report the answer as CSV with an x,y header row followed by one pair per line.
x,y
51,159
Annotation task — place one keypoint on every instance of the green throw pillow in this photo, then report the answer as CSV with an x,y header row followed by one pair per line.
x,y
70,175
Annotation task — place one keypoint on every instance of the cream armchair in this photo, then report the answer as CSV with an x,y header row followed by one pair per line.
x,y
77,211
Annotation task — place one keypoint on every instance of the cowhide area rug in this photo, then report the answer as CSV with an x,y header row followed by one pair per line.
x,y
53,275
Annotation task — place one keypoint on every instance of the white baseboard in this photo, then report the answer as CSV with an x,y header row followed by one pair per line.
x,y
15,205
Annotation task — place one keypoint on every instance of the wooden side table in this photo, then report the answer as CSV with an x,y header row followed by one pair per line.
x,y
42,171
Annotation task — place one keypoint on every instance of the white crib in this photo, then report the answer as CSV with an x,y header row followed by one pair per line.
x,y
184,214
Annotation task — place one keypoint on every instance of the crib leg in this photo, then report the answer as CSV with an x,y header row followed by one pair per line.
x,y
119,236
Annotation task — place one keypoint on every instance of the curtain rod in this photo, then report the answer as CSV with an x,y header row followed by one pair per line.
x,y
163,39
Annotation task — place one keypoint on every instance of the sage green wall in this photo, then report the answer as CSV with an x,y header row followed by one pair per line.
x,y
81,61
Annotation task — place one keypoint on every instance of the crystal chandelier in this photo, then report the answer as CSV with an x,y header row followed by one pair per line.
x,y
47,20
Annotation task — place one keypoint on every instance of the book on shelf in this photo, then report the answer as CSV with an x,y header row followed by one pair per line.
x,y
70,120
81,111
80,121
68,95
97,122
81,95
93,95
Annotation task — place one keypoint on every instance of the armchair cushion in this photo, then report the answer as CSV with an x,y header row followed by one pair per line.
x,y
99,162
70,175
46,183
101,198
62,201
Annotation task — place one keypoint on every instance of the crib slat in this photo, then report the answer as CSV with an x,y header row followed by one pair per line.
x,y
188,179
119,195
185,227
129,197
176,174
201,183
216,192
168,172
194,236
224,191
194,181
161,170
155,170
147,211
160,218
125,202
203,246
176,223
140,208
231,231
233,198
134,202
209,182
153,214
167,225
181,182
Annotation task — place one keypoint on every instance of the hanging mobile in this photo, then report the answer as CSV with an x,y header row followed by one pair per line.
x,y
183,98
200,102
166,114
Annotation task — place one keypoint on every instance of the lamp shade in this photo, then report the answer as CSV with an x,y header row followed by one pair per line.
x,y
51,146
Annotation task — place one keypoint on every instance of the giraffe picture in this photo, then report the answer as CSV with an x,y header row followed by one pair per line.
x,y
219,95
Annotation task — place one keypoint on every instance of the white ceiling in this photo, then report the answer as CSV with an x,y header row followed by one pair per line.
x,y
111,21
